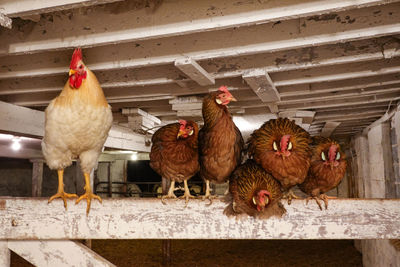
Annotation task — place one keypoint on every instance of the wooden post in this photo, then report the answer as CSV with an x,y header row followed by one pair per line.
x,y
37,177
166,243
4,254
109,179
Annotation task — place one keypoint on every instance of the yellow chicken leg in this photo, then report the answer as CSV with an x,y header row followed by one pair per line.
x,y
88,193
170,193
187,194
290,195
60,192
208,193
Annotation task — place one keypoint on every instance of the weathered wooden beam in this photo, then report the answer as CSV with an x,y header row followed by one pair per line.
x,y
57,253
194,71
5,257
15,119
22,8
260,82
23,218
329,127
37,177
192,19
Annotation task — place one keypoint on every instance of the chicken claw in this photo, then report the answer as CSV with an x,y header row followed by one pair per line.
x,y
290,195
60,192
187,194
170,193
88,194
208,194
322,197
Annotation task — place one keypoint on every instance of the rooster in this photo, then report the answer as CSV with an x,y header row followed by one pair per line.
x,y
174,154
282,148
220,141
254,192
76,126
328,166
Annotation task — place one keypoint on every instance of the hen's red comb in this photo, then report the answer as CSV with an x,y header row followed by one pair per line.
x,y
224,89
76,56
182,122
332,152
285,142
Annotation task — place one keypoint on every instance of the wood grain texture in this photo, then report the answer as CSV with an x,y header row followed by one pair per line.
x,y
33,218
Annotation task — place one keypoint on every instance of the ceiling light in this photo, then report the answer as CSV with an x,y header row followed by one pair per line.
x,y
16,145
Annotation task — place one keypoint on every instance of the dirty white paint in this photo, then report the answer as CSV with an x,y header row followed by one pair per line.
x,y
60,253
4,253
23,218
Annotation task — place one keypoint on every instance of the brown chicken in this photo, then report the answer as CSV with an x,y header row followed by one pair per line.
x,y
220,141
254,192
328,166
174,154
76,126
282,148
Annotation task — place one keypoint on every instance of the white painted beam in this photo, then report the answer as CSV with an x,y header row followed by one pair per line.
x,y
20,8
260,82
138,111
5,255
16,119
123,138
149,219
63,253
194,71
329,127
229,15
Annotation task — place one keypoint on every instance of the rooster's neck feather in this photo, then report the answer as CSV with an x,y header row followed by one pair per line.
x,y
212,112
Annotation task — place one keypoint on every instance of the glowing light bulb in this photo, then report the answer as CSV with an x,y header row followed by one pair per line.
x,y
15,144
134,156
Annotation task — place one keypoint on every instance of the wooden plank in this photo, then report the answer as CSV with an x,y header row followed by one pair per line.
x,y
260,82
37,177
19,8
5,257
177,18
61,253
23,218
329,127
194,71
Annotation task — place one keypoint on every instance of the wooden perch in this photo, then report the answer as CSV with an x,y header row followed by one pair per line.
x,y
34,218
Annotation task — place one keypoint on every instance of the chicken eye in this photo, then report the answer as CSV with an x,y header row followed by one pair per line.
x,y
323,156
80,66
338,156
290,146
275,146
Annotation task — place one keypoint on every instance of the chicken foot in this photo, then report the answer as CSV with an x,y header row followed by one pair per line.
x,y
88,194
290,195
60,192
322,197
170,193
187,194
208,193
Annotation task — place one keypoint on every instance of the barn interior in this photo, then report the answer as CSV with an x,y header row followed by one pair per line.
x,y
331,66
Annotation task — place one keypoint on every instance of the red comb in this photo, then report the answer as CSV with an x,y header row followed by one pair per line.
x,y
332,152
284,142
76,56
182,122
224,89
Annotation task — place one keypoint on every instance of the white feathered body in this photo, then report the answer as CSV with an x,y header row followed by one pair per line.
x,y
77,125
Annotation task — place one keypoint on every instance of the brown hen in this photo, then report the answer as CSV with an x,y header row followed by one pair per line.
x,y
328,166
220,141
282,148
254,192
174,154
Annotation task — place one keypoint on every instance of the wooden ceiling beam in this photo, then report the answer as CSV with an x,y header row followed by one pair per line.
x,y
328,128
23,8
192,19
194,71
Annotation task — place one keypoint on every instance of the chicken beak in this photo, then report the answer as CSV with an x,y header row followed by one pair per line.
x,y
72,72
233,99
180,133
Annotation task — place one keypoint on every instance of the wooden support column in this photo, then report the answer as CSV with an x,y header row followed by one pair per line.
x,y
4,254
37,177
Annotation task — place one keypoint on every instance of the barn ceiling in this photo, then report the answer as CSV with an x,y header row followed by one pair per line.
x,y
333,66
